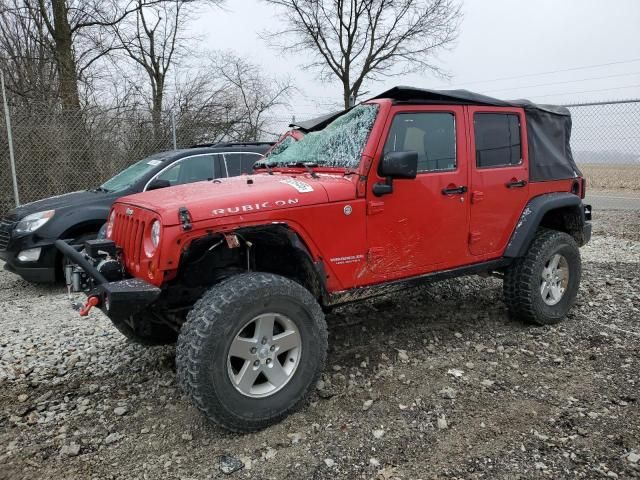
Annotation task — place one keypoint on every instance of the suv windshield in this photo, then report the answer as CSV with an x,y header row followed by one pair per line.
x,y
339,144
132,174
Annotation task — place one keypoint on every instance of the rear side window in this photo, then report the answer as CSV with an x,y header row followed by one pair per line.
x,y
248,159
234,163
431,134
497,139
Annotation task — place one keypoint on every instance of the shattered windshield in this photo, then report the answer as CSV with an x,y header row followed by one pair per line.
x,y
339,144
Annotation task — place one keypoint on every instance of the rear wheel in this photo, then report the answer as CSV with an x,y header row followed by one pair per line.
x,y
146,329
251,349
542,286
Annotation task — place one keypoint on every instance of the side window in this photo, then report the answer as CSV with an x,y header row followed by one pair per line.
x,y
171,174
431,134
189,170
234,163
248,159
497,139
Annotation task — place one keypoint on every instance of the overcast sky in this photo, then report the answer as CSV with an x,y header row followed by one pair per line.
x,y
500,40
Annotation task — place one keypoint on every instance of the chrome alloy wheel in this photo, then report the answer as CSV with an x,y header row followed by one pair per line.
x,y
264,355
554,279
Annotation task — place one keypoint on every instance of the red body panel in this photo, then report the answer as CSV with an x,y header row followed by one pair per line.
x,y
361,239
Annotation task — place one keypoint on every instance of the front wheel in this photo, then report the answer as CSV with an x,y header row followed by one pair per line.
x,y
542,286
251,349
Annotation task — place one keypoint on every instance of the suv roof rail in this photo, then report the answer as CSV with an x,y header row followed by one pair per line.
x,y
232,144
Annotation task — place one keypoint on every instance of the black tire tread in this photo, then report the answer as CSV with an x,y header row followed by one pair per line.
x,y
518,277
207,317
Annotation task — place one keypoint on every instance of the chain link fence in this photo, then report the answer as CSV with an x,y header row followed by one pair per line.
x,y
58,152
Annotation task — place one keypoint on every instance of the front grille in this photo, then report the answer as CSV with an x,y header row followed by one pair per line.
x,y
128,234
6,227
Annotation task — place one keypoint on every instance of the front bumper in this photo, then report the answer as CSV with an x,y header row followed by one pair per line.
x,y
42,270
117,299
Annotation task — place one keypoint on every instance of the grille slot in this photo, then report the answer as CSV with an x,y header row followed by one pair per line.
x,y
6,227
128,233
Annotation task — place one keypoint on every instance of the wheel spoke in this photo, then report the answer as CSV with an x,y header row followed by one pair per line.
x,y
247,377
544,289
275,373
553,263
286,341
264,328
241,348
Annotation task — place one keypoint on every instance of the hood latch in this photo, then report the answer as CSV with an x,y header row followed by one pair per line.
x,y
185,218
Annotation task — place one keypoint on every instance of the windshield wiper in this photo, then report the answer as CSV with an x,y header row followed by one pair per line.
x,y
101,189
266,165
307,165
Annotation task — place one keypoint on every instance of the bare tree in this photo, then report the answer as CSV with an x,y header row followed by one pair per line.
x,y
26,57
155,39
360,40
253,93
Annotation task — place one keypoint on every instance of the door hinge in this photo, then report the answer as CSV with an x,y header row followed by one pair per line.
x,y
374,207
474,237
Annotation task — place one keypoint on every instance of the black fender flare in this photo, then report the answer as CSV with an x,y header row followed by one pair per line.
x,y
532,215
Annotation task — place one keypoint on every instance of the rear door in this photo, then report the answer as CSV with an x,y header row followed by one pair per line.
x,y
499,177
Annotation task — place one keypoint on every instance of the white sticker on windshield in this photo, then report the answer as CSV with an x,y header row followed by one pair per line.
x,y
153,163
302,187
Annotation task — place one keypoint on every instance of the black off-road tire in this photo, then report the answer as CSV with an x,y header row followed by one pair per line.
x,y
522,280
148,330
211,326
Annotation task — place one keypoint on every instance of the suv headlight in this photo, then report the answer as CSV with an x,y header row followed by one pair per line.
x,y
32,222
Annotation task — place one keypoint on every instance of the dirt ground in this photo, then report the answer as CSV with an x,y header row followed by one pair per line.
x,y
431,383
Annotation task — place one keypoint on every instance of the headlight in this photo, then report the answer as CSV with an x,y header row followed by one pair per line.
x,y
153,239
112,218
155,233
32,222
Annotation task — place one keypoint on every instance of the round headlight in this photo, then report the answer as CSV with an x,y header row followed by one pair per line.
x,y
155,233
112,219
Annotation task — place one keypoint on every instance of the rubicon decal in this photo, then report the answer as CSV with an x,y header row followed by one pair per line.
x,y
254,207
302,187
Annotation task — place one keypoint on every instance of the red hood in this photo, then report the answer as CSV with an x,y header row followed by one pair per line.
x,y
244,195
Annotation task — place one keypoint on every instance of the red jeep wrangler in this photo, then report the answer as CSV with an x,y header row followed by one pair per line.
x,y
409,187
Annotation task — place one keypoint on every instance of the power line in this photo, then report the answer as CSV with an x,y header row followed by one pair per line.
x,y
585,67
563,82
587,91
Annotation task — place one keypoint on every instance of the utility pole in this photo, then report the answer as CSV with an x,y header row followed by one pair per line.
x,y
12,159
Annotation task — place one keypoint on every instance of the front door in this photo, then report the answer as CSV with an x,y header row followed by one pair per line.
x,y
499,177
423,224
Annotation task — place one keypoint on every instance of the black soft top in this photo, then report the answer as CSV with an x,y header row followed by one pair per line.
x,y
548,126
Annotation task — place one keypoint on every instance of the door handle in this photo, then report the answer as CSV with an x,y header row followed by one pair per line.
x,y
516,183
454,190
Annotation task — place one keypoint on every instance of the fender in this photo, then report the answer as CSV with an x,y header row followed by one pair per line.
x,y
533,214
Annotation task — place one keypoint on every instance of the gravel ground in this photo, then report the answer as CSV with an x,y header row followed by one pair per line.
x,y
431,383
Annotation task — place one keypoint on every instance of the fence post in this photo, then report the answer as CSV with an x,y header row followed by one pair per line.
x,y
173,130
12,159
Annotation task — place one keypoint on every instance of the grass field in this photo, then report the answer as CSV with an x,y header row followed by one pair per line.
x,y
611,177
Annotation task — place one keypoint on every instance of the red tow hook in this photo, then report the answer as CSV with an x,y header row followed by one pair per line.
x,y
91,302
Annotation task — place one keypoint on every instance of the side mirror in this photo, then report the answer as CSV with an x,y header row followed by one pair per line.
x,y
400,165
157,183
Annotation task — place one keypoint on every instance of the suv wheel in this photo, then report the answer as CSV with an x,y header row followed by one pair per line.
x,y
251,349
146,329
542,286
